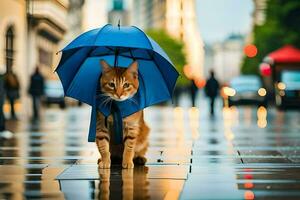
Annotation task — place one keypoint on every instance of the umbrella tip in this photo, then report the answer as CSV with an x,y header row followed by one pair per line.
x,y
119,24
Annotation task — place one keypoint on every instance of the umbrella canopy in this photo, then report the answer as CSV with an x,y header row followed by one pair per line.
x,y
79,69
286,54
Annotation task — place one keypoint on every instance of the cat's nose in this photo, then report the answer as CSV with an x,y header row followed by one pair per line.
x,y
119,93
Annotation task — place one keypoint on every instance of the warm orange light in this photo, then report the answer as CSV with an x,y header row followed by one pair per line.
x,y
281,86
262,92
250,50
248,185
200,83
249,195
229,91
188,72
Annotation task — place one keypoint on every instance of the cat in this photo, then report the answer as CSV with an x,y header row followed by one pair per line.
x,y
120,84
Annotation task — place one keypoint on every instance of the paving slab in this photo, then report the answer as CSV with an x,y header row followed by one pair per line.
x,y
191,156
91,172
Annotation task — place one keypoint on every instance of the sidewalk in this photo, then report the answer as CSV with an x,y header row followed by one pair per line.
x,y
190,157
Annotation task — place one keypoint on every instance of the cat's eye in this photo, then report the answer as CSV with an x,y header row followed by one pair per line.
x,y
111,84
126,85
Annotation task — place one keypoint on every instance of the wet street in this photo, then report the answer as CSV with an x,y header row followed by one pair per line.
x,y
242,153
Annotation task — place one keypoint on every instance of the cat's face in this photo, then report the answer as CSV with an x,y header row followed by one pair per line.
x,y
119,83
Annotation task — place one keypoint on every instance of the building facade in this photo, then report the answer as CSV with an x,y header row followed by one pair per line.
x,y
181,23
227,57
95,14
13,29
148,14
46,28
32,32
178,18
118,14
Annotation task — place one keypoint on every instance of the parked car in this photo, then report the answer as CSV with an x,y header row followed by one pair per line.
x,y
54,93
243,90
287,90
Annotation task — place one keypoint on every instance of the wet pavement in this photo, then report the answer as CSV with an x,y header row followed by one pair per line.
x,y
242,153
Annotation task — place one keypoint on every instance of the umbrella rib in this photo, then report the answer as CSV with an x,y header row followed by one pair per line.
x,y
152,56
109,48
99,33
131,54
116,57
136,58
79,68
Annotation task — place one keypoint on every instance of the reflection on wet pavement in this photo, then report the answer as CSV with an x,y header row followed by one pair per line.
x,y
243,153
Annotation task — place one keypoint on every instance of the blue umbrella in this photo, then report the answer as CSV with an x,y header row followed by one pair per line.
x,y
79,70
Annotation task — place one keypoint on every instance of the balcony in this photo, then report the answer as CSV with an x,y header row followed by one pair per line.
x,y
48,16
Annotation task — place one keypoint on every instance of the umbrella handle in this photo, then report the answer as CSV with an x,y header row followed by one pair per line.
x,y
116,57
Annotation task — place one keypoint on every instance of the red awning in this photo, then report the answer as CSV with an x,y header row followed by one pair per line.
x,y
286,54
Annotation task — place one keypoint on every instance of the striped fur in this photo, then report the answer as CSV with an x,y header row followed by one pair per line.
x,y
120,84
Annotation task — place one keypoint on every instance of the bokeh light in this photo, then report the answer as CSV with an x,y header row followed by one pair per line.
x,y
262,92
229,91
281,86
250,50
249,195
265,69
200,83
188,72
248,185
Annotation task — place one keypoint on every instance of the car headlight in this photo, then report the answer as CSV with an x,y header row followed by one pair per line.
x,y
229,91
262,92
281,86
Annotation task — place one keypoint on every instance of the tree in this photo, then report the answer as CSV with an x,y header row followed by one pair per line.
x,y
174,49
281,27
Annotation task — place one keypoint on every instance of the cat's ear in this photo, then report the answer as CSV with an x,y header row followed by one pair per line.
x,y
105,66
133,68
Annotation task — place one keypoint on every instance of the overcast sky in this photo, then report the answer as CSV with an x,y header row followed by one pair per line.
x,y
218,18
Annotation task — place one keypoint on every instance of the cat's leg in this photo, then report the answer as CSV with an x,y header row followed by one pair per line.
x,y
139,156
102,141
129,147
141,146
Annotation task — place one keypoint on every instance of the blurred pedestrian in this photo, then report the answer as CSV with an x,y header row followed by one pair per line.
x,y
2,99
12,87
176,95
193,92
212,90
36,90
3,132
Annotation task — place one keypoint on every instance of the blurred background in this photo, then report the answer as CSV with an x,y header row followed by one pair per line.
x,y
228,52
230,37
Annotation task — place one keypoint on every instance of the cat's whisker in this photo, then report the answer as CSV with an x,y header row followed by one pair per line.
x,y
108,101
105,101
99,96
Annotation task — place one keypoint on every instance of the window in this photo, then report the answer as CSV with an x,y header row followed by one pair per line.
x,y
45,57
9,49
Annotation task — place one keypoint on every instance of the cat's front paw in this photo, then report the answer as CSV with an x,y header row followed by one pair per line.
x,y
127,165
103,164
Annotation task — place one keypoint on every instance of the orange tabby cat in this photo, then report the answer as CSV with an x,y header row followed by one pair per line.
x,y
120,84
